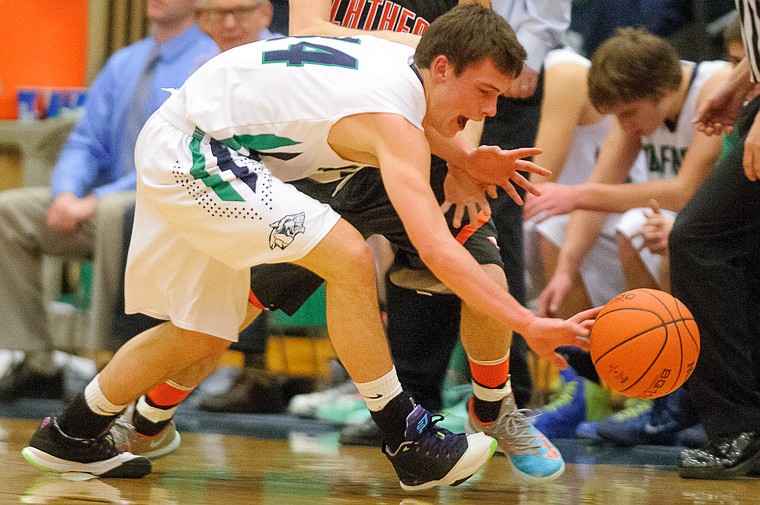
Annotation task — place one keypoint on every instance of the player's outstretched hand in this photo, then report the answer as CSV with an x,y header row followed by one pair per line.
x,y
554,200
544,335
492,165
464,193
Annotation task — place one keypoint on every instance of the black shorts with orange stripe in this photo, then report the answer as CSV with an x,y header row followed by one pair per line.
x,y
363,202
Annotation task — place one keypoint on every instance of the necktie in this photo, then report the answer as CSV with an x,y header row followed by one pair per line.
x,y
137,112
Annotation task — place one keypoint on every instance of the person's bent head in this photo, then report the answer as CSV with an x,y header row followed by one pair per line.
x,y
469,34
468,57
635,75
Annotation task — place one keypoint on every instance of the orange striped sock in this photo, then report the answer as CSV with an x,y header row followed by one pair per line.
x,y
155,409
490,385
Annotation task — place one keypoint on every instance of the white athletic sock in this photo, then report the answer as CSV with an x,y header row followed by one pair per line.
x,y
379,392
97,402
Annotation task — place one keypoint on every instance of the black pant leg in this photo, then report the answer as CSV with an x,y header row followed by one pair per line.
x,y
422,332
126,326
714,254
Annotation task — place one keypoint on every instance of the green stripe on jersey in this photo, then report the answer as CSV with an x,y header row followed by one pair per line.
x,y
222,188
260,142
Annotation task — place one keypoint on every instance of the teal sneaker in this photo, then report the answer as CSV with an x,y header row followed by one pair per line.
x,y
532,456
576,400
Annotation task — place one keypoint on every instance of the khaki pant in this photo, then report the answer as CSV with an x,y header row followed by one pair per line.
x,y
24,241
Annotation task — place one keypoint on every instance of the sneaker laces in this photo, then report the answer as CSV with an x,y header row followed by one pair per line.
x,y
515,427
436,439
121,431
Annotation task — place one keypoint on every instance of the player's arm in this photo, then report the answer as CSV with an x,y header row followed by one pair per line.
x,y
563,102
405,171
314,17
616,157
672,193
405,175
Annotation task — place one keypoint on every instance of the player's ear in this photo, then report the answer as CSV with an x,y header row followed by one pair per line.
x,y
440,67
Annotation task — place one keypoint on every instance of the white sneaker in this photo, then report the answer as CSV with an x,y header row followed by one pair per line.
x,y
308,404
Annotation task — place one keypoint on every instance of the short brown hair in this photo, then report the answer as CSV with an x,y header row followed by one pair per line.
x,y
632,65
469,34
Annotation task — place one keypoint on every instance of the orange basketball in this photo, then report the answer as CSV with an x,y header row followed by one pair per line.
x,y
644,343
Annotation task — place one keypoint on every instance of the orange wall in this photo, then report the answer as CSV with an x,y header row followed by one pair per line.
x,y
42,43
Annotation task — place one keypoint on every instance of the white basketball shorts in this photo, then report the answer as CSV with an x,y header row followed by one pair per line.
x,y
204,215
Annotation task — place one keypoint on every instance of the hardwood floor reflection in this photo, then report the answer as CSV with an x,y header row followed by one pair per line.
x,y
305,470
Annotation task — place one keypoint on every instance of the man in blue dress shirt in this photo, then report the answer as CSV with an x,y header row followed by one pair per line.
x,y
79,216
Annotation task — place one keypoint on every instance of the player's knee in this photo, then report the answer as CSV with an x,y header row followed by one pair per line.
x,y
358,264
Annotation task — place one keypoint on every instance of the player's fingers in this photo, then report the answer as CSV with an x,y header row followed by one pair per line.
x,y
458,214
485,207
523,182
529,166
512,192
445,206
583,342
492,192
525,152
472,213
655,206
586,314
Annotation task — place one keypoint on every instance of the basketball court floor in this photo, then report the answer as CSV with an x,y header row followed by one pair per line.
x,y
280,459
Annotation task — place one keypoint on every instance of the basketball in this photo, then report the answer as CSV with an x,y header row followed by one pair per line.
x,y
644,343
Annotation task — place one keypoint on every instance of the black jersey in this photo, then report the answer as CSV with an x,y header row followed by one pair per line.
x,y
411,16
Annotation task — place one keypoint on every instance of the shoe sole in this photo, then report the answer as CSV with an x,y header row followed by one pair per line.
x,y
740,470
480,448
163,451
125,465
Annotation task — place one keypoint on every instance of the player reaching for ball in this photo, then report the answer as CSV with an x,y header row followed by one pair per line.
x,y
213,201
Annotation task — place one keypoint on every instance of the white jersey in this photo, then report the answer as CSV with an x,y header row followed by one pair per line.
x,y
229,102
588,139
665,148
212,161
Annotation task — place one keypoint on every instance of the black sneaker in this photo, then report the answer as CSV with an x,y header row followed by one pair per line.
x,y
52,450
21,381
725,457
431,456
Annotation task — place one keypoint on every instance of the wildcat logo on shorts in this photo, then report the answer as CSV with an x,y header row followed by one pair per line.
x,y
286,229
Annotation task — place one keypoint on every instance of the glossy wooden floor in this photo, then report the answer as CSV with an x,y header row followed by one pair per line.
x,y
219,469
